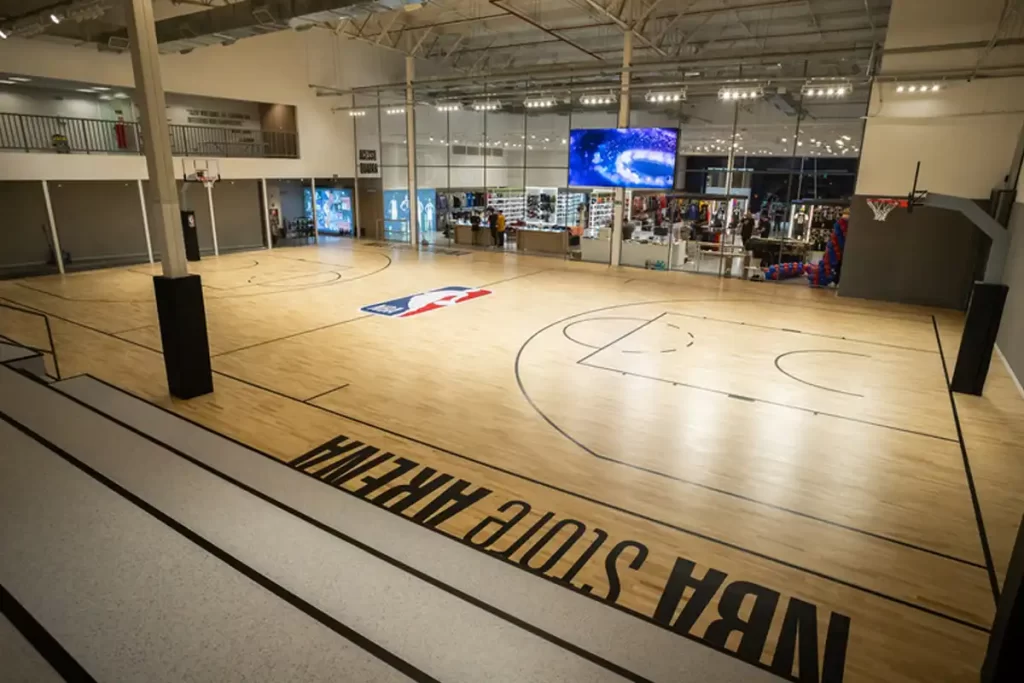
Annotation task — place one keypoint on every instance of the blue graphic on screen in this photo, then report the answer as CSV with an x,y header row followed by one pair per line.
x,y
333,210
396,210
623,157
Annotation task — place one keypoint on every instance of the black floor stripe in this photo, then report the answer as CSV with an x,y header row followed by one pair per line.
x,y
44,643
985,549
566,491
437,583
779,367
777,404
617,508
496,556
295,601
810,334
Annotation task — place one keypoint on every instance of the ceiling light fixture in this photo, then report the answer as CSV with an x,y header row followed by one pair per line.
x,y
919,87
120,96
449,106
827,90
487,105
6,82
54,18
394,110
88,90
22,79
750,93
666,97
3,35
539,102
597,100
357,112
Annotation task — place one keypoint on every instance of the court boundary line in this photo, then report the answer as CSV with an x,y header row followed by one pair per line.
x,y
438,583
296,602
568,585
632,513
753,399
794,331
41,640
975,501
580,496
300,288
812,384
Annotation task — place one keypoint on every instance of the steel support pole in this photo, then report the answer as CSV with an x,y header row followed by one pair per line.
x,y
164,213
145,221
266,214
213,221
410,149
179,296
58,255
623,122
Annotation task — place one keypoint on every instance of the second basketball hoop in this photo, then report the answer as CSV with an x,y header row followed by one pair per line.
x,y
881,207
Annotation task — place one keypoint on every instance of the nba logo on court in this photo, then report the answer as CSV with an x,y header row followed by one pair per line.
x,y
415,304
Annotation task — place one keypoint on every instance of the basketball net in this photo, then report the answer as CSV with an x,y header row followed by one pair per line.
x,y
883,207
201,177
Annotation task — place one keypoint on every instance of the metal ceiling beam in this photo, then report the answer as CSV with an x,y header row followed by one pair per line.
x,y
545,29
628,28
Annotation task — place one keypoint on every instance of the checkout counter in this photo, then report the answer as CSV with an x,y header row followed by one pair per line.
x,y
467,236
542,240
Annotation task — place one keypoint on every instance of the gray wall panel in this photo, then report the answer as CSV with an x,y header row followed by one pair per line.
x,y
239,214
1011,331
99,221
23,228
929,257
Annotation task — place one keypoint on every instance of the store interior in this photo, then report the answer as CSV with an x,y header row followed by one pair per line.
x,y
759,189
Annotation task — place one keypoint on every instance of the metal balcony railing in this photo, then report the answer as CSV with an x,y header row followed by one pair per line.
x,y
66,135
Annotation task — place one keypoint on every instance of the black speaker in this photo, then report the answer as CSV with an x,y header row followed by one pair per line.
x,y
979,338
191,232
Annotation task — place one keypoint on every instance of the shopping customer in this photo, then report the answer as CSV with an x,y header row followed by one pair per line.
x,y
492,222
500,239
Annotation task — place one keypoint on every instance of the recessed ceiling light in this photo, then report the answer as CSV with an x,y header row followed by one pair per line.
x,y
900,88
20,79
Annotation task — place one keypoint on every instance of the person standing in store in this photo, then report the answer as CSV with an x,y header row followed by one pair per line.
x,y
492,222
500,240
747,227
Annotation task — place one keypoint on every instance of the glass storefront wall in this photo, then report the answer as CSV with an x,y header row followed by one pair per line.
x,y
768,174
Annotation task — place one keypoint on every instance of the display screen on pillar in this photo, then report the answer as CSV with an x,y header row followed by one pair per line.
x,y
638,158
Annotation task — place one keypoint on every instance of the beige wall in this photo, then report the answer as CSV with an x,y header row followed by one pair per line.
x,y
274,68
965,134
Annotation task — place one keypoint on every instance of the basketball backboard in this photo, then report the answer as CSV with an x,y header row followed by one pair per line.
x,y
197,170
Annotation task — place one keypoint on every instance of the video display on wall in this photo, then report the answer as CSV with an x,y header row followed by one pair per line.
x,y
396,210
638,158
333,210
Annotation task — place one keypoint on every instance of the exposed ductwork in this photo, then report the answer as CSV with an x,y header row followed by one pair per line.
x,y
227,24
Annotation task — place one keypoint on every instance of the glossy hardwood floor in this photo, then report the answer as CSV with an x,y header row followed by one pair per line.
x,y
771,470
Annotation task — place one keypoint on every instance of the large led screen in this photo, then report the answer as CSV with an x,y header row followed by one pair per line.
x,y
333,210
640,158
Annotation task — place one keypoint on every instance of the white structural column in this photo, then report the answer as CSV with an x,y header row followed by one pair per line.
x,y
410,133
266,213
164,214
145,220
213,220
58,255
312,200
623,122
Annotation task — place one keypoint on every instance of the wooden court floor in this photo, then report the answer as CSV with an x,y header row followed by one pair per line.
x,y
773,471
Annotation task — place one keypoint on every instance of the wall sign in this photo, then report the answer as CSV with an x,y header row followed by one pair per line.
x,y
408,306
369,165
700,603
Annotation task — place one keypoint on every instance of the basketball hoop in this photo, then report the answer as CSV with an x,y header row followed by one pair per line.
x,y
882,207
201,176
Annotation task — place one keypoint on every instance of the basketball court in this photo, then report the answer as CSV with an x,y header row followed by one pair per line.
x,y
771,472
